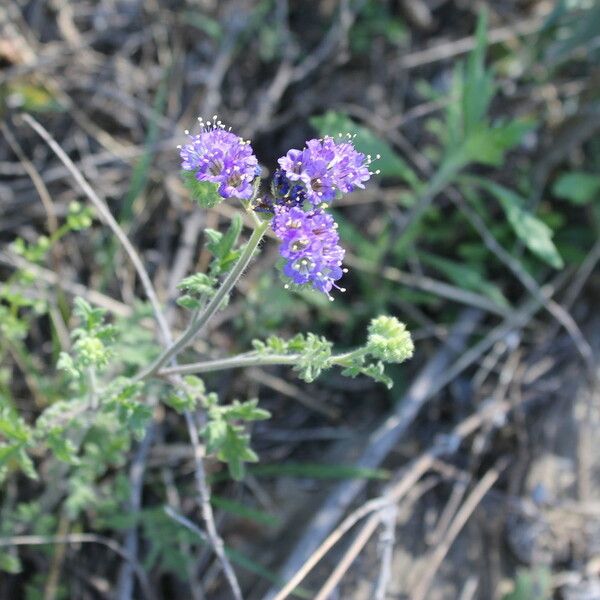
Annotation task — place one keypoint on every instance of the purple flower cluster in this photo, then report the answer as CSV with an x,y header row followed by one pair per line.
x,y
302,188
221,157
306,182
325,168
309,243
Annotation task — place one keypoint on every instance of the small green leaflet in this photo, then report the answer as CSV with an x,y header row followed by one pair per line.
x,y
533,232
577,187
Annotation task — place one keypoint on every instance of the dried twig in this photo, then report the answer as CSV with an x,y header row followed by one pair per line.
x,y
462,516
106,216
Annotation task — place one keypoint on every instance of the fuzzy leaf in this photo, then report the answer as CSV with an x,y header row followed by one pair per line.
x,y
189,302
244,411
205,193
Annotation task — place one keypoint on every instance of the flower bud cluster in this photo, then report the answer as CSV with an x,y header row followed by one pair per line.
x,y
389,340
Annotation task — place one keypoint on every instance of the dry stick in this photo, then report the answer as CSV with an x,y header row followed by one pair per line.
x,y
35,177
462,516
105,213
427,284
368,529
389,514
207,511
82,538
56,562
464,45
387,541
106,216
383,439
403,484
418,468
583,274
136,479
434,377
386,515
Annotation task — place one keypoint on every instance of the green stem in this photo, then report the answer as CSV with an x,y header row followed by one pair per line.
x,y
93,391
212,307
253,359
233,362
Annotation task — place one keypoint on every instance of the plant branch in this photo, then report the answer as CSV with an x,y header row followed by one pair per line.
x,y
251,359
213,306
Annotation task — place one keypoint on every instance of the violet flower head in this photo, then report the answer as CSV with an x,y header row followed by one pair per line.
x,y
309,245
326,167
219,156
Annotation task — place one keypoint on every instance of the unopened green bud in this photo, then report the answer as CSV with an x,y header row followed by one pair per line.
x,y
389,340
91,351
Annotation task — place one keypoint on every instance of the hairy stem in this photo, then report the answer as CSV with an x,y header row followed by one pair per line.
x,y
252,359
198,323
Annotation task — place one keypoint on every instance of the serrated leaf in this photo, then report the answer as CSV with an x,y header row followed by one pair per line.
x,y
189,302
62,447
214,435
91,317
535,234
13,427
222,246
577,187
230,237
26,464
231,444
198,284
7,452
244,411
375,371
236,451
180,402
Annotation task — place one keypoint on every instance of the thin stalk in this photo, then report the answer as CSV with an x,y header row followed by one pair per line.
x,y
93,387
213,306
253,359
232,362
